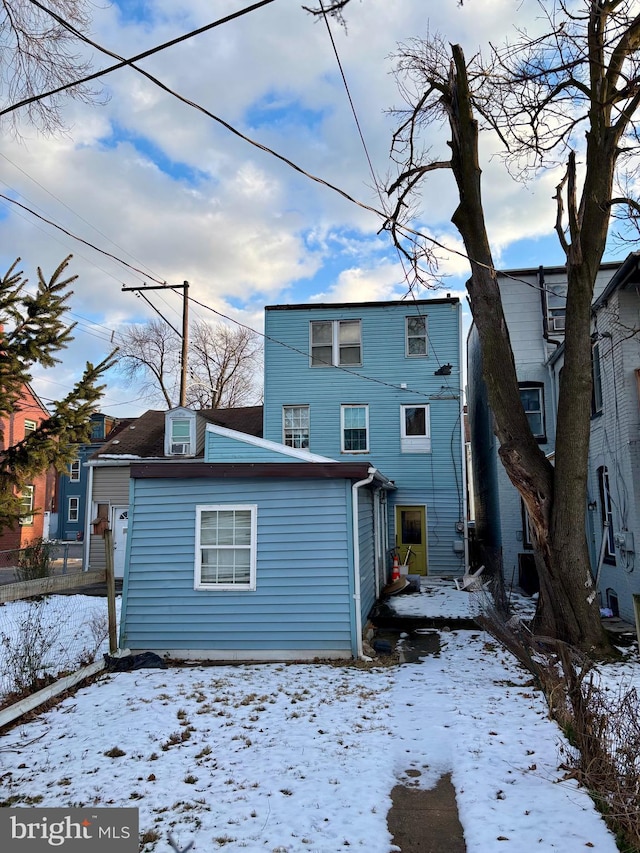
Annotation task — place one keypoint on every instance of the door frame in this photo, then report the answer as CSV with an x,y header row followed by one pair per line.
x,y
396,521
119,542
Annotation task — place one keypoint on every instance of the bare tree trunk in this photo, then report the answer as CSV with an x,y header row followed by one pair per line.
x,y
555,498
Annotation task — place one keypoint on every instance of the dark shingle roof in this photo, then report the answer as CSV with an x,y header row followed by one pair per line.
x,y
144,436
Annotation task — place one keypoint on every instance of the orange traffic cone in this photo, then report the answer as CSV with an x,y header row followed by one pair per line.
x,y
395,572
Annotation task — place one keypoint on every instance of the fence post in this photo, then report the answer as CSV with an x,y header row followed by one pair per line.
x,y
111,591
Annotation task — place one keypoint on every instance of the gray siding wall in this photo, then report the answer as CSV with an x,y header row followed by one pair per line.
x,y
615,443
304,596
110,486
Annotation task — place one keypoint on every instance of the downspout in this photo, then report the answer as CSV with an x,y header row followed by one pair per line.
x,y
463,458
357,598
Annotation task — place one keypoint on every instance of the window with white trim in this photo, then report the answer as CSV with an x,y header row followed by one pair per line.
x,y
26,506
555,306
74,471
295,426
180,437
416,337
415,429
354,428
336,343
29,427
226,547
532,397
73,509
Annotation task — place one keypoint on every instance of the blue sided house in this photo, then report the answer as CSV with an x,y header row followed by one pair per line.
x,y
277,546
256,551
379,382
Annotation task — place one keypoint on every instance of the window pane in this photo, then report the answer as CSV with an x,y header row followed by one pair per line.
x,y
416,325
321,333
417,346
355,439
180,429
530,399
410,520
535,423
415,421
355,417
350,331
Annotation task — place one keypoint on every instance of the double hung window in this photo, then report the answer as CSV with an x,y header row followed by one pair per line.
x,y
296,426
416,341
532,397
354,428
226,544
26,506
73,509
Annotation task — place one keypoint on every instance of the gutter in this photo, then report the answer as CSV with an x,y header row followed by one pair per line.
x,y
357,597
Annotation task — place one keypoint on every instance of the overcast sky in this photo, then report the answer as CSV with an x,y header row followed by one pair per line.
x,y
176,195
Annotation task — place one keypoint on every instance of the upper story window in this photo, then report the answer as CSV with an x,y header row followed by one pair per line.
x,y
180,433
532,397
29,427
354,422
415,429
26,505
336,343
295,426
74,471
226,547
596,377
555,306
416,340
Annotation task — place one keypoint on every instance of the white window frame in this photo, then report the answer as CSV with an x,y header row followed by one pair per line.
x,y
343,409
539,387
73,509
29,426
415,443
424,335
336,345
606,512
201,584
174,441
27,496
555,306
74,471
297,431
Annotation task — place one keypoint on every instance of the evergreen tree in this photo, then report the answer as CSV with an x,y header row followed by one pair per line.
x,y
32,331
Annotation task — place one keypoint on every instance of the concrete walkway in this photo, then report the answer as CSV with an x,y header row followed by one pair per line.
x,y
426,821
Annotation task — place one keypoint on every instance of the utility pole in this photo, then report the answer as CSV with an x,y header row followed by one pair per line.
x,y
185,328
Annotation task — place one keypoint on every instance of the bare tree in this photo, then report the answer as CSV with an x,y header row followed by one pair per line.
x,y
39,54
223,363
569,96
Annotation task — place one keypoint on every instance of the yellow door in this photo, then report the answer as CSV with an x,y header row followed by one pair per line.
x,y
411,533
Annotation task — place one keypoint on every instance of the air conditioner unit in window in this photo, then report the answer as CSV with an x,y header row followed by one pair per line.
x,y
556,324
180,449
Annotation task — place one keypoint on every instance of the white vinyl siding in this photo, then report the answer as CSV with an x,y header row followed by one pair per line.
x,y
226,547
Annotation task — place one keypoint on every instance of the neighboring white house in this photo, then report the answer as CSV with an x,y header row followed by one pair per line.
x,y
534,306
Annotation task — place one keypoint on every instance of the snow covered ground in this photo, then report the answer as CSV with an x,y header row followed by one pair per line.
x,y
292,758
